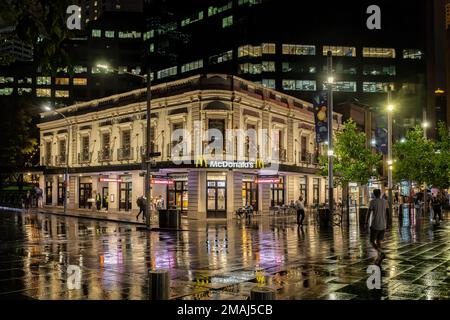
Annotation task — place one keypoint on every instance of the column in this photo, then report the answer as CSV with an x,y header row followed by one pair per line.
x,y
264,198
234,193
54,190
113,190
73,192
292,192
197,195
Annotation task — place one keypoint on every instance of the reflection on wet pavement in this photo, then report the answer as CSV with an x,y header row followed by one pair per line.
x,y
218,260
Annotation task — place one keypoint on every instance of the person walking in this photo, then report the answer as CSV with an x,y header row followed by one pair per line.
x,y
437,209
141,203
378,221
300,207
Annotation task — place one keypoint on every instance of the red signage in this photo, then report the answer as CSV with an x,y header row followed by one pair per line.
x,y
162,181
110,180
268,180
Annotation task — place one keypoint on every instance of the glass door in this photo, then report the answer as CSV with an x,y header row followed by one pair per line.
x,y
125,196
177,196
84,194
105,195
48,192
61,192
216,199
250,194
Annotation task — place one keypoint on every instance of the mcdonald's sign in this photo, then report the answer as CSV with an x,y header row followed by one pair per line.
x,y
201,163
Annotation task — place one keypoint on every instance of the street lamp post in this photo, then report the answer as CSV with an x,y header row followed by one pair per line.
x,y
66,169
390,109
146,160
330,132
425,125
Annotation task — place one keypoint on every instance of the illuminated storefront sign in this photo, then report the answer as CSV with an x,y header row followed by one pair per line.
x,y
110,180
268,180
258,164
162,181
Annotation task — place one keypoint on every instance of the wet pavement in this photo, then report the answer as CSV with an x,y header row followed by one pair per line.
x,y
219,260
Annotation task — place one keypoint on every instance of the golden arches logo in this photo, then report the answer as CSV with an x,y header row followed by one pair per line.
x,y
259,164
201,163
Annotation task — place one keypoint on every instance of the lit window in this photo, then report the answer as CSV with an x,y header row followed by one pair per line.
x,y
249,2
339,51
192,19
152,47
192,66
268,48
226,56
129,35
375,70
79,81
109,34
21,91
62,81
96,33
167,72
24,80
6,91
44,80
342,86
215,10
376,86
149,34
299,85
299,50
414,54
61,93
341,68
268,83
136,70
379,53
79,69
247,50
6,79
268,66
122,69
41,92
298,67
62,70
250,68
227,21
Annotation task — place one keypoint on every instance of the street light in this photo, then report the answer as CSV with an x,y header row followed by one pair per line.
x,y
146,161
390,110
373,142
330,130
66,170
425,125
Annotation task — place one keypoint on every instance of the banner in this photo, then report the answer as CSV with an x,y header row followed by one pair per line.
x,y
381,134
321,117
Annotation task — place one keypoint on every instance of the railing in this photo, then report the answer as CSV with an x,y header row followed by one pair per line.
x,y
281,153
105,155
61,160
47,161
125,153
84,157
308,158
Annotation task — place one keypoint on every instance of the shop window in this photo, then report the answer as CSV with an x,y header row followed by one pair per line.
x,y
277,193
304,189
316,190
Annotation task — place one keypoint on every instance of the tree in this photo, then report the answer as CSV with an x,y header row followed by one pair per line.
x,y
440,159
353,160
40,23
414,157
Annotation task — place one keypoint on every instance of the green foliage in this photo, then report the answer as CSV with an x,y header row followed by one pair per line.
x,y
41,23
423,160
353,161
18,146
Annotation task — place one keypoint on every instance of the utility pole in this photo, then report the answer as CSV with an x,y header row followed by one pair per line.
x,y
148,158
330,133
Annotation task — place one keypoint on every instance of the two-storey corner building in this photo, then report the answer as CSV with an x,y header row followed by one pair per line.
x,y
202,166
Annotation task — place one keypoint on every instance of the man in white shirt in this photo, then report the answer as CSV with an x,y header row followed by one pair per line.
x,y
377,214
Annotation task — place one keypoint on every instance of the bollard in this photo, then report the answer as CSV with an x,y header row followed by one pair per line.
x,y
158,283
262,293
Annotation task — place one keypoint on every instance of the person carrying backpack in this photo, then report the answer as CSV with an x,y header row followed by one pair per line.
x,y
141,203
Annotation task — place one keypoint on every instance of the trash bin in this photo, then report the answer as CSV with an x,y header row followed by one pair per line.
x,y
363,215
169,218
324,218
